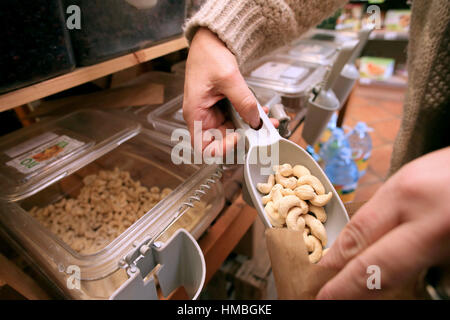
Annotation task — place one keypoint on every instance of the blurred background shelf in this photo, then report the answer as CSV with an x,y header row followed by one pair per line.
x,y
394,81
82,75
389,35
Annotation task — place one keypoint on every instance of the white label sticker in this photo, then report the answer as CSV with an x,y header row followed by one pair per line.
x,y
30,144
270,70
294,73
279,72
45,154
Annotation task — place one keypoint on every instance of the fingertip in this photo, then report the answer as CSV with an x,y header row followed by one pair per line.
x,y
275,122
324,294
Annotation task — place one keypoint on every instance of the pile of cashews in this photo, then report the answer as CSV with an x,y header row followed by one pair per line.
x,y
294,198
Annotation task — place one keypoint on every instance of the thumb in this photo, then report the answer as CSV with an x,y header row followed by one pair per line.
x,y
236,90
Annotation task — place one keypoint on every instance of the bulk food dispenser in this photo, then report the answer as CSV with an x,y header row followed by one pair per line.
x,y
349,74
324,102
292,79
98,206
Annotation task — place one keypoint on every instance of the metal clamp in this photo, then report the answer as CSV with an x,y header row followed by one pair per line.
x,y
179,262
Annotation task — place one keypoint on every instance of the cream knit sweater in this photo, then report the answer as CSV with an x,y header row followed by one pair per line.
x,y
251,28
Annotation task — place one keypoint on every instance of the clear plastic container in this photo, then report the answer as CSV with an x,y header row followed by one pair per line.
x,y
115,27
285,75
173,87
196,199
291,78
266,97
168,117
38,155
311,51
330,36
35,43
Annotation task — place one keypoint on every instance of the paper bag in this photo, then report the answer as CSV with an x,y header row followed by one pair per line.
x,y
295,277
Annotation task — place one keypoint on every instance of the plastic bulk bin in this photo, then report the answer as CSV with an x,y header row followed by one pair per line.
x,y
35,43
330,36
291,78
116,27
173,86
311,51
91,167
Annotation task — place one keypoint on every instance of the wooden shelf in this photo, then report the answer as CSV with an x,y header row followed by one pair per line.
x,y
85,74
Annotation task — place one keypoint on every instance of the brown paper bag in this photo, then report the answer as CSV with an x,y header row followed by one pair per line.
x,y
295,277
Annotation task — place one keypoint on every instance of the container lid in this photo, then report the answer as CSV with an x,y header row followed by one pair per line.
x,y
36,156
312,51
331,36
266,97
168,117
173,86
288,76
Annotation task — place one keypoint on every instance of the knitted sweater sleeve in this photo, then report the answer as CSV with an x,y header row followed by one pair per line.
x,y
251,28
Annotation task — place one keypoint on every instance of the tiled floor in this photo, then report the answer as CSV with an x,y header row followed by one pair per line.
x,y
381,109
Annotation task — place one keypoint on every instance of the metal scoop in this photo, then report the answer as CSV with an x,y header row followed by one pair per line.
x,y
264,150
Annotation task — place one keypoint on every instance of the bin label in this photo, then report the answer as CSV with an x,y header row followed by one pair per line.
x,y
44,154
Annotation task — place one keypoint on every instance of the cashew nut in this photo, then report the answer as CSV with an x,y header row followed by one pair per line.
x,y
300,171
305,192
286,206
308,244
321,200
275,219
319,212
316,252
285,170
287,192
286,203
293,219
325,251
290,183
268,197
277,196
106,205
266,187
313,182
317,228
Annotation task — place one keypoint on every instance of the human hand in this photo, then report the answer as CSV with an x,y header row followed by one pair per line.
x,y
212,73
404,229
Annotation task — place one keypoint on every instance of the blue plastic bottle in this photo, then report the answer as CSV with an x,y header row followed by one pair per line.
x,y
331,125
336,142
343,174
361,145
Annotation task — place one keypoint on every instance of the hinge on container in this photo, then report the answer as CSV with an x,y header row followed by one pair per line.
x,y
178,262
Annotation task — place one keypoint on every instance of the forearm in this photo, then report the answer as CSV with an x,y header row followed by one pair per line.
x,y
251,28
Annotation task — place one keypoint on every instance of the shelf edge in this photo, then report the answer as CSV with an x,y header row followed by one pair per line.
x,y
82,75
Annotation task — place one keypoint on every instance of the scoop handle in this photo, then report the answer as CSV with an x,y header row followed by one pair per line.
x,y
265,135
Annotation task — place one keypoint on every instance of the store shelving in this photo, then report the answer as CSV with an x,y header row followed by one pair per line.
x,y
82,75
